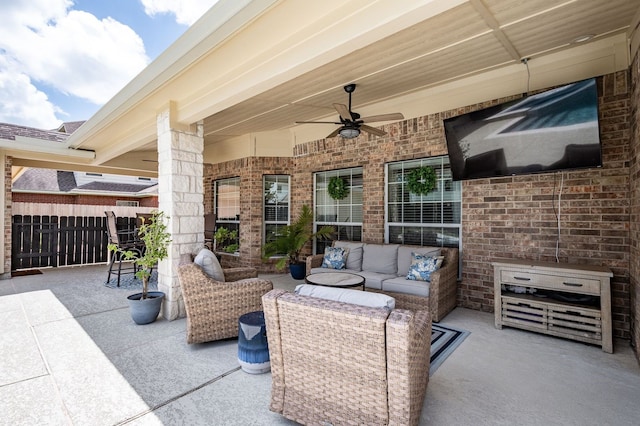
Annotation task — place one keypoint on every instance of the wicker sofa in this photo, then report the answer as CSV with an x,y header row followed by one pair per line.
x,y
212,306
340,363
384,267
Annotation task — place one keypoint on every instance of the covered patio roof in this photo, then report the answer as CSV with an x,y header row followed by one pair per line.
x,y
250,69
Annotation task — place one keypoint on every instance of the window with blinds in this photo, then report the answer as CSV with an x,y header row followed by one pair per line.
x,y
344,215
227,204
127,203
427,220
276,205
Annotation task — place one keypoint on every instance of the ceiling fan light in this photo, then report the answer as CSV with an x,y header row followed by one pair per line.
x,y
349,132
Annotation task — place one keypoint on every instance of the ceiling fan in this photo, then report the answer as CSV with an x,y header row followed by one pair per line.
x,y
351,121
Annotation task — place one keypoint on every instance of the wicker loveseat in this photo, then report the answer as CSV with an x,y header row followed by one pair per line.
x,y
438,295
340,363
213,307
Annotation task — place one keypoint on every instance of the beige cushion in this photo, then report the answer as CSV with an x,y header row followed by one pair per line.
x,y
355,297
381,258
404,256
209,264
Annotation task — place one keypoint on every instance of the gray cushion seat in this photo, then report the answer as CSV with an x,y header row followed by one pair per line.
x,y
383,266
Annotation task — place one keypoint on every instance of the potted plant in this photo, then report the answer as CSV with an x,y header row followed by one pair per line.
x,y
145,306
290,241
226,240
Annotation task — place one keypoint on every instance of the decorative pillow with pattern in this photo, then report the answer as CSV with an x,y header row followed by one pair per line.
x,y
423,266
335,257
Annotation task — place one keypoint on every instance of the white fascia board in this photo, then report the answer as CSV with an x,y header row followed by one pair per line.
x,y
40,146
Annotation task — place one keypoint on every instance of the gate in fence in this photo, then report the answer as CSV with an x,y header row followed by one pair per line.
x,y
42,241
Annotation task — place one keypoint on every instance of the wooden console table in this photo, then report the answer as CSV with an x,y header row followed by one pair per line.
x,y
563,300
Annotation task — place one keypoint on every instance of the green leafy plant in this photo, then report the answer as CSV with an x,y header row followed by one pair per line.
x,y
156,238
422,180
337,188
226,240
292,238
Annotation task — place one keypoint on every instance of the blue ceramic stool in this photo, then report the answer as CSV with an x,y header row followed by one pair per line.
x,y
253,351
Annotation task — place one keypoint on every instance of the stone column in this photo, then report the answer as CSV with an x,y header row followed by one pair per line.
x,y
180,196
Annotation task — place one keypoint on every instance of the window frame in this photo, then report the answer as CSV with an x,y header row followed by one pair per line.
x,y
221,221
443,171
276,222
321,202
127,203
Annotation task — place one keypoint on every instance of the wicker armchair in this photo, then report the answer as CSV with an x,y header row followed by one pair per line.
x,y
213,307
339,363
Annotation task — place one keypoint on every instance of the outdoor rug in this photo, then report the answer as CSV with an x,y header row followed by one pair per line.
x,y
444,340
129,282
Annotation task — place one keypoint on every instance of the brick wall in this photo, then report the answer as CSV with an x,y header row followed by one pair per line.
x,y
502,217
91,200
634,174
514,217
250,171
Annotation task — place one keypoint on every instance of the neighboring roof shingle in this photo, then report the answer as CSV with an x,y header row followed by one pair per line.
x,y
113,187
66,180
47,180
10,131
40,179
70,126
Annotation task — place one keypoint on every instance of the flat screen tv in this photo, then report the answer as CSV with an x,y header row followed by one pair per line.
x,y
553,130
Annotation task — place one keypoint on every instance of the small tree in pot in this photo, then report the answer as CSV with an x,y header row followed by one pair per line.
x,y
292,238
156,238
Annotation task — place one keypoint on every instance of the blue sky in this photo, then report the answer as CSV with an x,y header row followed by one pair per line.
x,y
61,60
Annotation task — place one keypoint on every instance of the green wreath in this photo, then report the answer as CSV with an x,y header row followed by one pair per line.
x,y
422,180
338,188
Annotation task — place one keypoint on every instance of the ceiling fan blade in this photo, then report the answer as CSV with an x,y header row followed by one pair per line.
x,y
383,117
372,130
334,133
343,111
318,122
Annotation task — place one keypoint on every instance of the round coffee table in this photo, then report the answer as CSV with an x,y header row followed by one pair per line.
x,y
335,279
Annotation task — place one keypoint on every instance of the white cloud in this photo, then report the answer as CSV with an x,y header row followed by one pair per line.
x,y
22,103
186,11
93,58
68,50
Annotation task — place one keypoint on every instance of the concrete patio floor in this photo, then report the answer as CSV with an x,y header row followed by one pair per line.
x,y
70,355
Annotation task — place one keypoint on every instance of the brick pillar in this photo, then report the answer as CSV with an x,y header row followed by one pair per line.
x,y
180,196
5,240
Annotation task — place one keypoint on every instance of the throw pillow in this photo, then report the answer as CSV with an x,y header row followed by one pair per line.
x,y
335,257
209,264
405,256
354,259
423,266
355,297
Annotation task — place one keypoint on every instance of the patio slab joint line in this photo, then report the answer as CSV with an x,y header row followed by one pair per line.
x,y
177,397
45,361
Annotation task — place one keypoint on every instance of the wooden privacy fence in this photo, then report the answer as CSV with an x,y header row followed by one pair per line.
x,y
41,241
